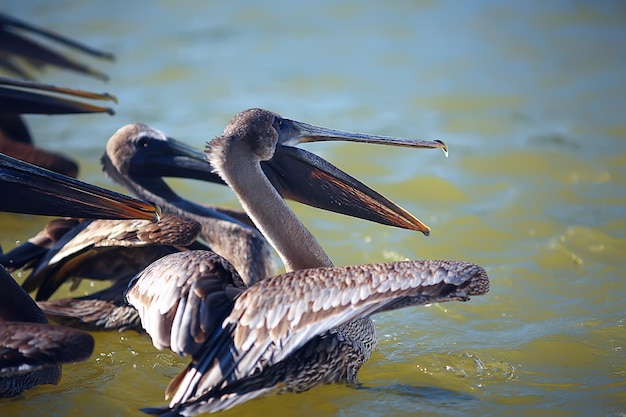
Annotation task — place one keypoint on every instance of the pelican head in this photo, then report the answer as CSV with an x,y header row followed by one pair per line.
x,y
302,176
138,153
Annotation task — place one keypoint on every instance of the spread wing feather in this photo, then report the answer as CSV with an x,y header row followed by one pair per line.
x,y
253,328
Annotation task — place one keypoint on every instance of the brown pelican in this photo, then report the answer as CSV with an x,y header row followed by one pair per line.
x,y
13,43
20,97
293,331
137,156
31,351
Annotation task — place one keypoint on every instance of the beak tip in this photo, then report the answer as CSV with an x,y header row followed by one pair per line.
x,y
157,213
443,146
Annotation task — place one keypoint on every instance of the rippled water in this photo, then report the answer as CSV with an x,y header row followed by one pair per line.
x,y
531,101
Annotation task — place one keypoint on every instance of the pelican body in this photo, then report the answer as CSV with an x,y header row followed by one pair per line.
x,y
292,331
32,351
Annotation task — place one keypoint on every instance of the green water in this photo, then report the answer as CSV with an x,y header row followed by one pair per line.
x,y
531,101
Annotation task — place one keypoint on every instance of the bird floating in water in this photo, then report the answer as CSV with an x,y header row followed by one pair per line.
x,y
31,351
292,331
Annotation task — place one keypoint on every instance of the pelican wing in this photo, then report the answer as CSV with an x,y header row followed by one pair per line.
x,y
275,317
183,298
78,251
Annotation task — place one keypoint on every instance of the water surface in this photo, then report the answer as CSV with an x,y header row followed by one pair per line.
x,y
529,98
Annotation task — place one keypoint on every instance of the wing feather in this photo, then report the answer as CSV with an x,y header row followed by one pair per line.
x,y
183,298
272,319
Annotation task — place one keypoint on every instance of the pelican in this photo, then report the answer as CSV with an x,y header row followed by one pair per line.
x,y
292,331
31,350
13,43
136,156
20,97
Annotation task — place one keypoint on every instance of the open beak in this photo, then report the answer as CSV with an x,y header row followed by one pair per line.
x,y
298,174
304,177
30,189
29,97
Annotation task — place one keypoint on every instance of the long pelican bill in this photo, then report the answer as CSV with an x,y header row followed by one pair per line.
x,y
292,132
30,189
9,21
316,182
27,97
302,176
297,175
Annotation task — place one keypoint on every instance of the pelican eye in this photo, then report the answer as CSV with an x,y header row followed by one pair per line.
x,y
278,124
143,142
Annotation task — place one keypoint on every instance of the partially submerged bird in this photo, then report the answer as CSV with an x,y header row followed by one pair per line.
x,y
19,97
31,351
289,332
